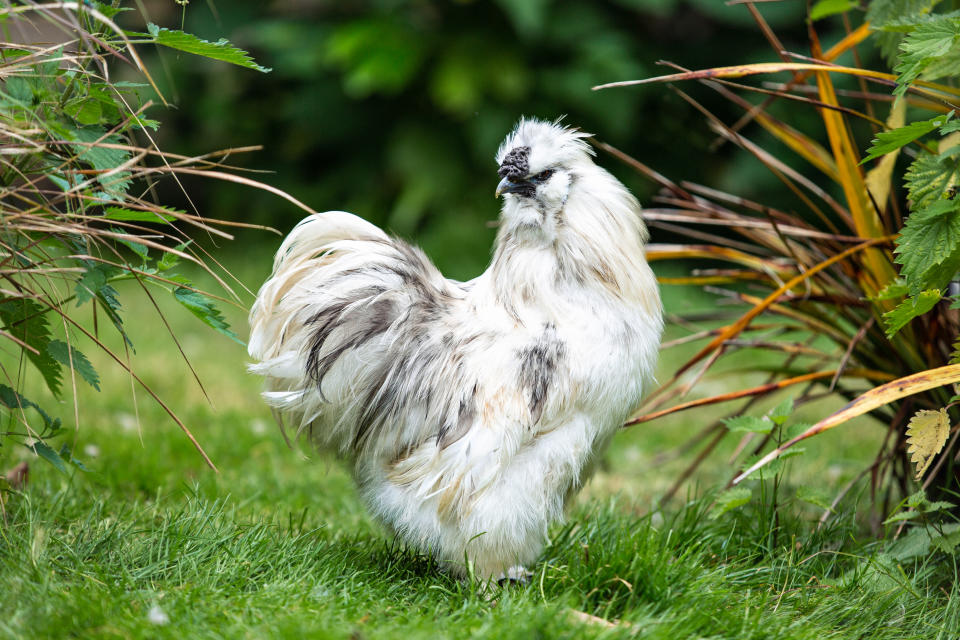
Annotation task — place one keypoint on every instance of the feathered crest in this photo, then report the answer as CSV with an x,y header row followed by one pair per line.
x,y
546,140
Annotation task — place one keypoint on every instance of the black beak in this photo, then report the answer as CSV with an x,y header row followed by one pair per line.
x,y
507,186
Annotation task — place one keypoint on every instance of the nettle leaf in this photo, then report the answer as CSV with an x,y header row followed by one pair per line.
x,y
887,141
943,66
221,50
919,541
16,402
912,307
66,454
768,470
109,10
893,291
889,15
902,516
203,307
928,248
729,500
918,500
780,413
815,497
926,434
137,247
67,355
170,260
102,158
93,284
930,40
43,450
27,321
795,429
84,110
750,424
825,8
929,177
93,280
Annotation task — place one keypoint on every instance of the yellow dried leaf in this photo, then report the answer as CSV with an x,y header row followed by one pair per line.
x,y
878,179
926,435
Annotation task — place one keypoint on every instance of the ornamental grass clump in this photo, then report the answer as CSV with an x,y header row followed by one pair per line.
x,y
855,283
78,168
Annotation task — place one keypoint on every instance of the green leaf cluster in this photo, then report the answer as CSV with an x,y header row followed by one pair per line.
x,y
74,220
927,46
928,530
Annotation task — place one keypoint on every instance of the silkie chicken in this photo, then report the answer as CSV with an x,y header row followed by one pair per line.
x,y
469,412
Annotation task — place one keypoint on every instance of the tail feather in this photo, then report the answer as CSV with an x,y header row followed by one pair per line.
x,y
326,326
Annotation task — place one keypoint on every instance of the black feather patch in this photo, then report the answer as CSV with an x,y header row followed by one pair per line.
x,y
538,365
369,320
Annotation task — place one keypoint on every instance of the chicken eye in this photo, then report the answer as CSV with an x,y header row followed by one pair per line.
x,y
542,176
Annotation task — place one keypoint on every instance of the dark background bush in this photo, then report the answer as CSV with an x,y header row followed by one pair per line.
x,y
393,109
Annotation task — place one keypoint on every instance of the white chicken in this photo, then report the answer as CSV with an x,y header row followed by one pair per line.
x,y
470,412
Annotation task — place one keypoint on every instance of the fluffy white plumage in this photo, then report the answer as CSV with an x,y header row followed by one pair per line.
x,y
469,411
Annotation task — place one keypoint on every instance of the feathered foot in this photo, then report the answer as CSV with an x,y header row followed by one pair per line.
x,y
516,575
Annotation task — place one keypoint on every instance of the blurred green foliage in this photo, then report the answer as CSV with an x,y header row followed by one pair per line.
x,y
393,109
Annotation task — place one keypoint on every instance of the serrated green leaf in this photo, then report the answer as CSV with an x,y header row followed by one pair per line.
x,y
919,541
15,402
950,127
824,8
917,500
887,141
928,248
943,66
912,307
27,321
902,516
768,470
132,215
939,505
94,284
66,454
902,16
65,355
204,308
170,260
929,177
43,450
780,413
947,542
750,424
729,500
102,158
89,284
815,497
109,10
137,247
795,429
221,50
893,291
792,453
930,40
85,110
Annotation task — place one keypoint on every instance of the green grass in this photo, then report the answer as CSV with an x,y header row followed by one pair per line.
x,y
149,543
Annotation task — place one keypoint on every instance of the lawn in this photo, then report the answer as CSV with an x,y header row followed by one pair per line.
x,y
150,543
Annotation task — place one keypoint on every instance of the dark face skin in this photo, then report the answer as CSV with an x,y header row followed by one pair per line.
x,y
515,174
